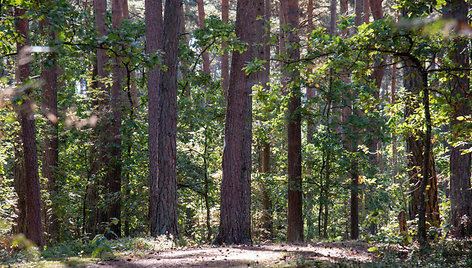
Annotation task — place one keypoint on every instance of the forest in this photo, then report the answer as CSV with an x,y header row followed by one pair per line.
x,y
263,133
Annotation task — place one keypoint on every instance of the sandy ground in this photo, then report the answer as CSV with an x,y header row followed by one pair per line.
x,y
354,253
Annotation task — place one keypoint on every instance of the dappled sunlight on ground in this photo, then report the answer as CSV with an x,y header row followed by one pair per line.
x,y
248,256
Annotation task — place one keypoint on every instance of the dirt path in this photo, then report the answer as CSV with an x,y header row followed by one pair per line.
x,y
348,253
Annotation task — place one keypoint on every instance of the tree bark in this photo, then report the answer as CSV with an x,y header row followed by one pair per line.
x,y
28,135
153,44
422,208
49,73
225,57
295,214
461,195
201,24
332,17
20,186
235,208
114,166
415,159
101,106
166,211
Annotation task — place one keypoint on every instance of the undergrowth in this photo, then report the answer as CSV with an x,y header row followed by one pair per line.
x,y
17,250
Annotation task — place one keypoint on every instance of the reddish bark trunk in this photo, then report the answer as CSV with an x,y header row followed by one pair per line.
x,y
28,134
49,73
294,214
201,24
461,195
225,57
332,17
235,210
376,9
20,187
116,100
153,43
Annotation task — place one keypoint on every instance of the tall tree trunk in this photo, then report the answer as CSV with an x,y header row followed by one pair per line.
x,y
28,135
262,51
114,166
461,195
201,24
295,202
353,143
153,44
166,213
235,211
49,73
311,127
415,160
422,208
392,101
132,96
377,75
101,106
225,57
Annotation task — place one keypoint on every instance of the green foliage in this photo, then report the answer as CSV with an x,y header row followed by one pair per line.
x,y
100,246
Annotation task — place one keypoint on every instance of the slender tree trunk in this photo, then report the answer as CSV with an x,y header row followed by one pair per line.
x,y
101,107
295,214
267,223
133,90
415,158
207,188
353,143
422,209
201,24
28,135
49,73
392,101
377,75
346,110
20,186
235,211
225,57
311,128
166,211
153,43
132,104
332,17
114,166
461,195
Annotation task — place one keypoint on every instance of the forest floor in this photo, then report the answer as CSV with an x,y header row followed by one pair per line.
x,y
307,255
150,252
